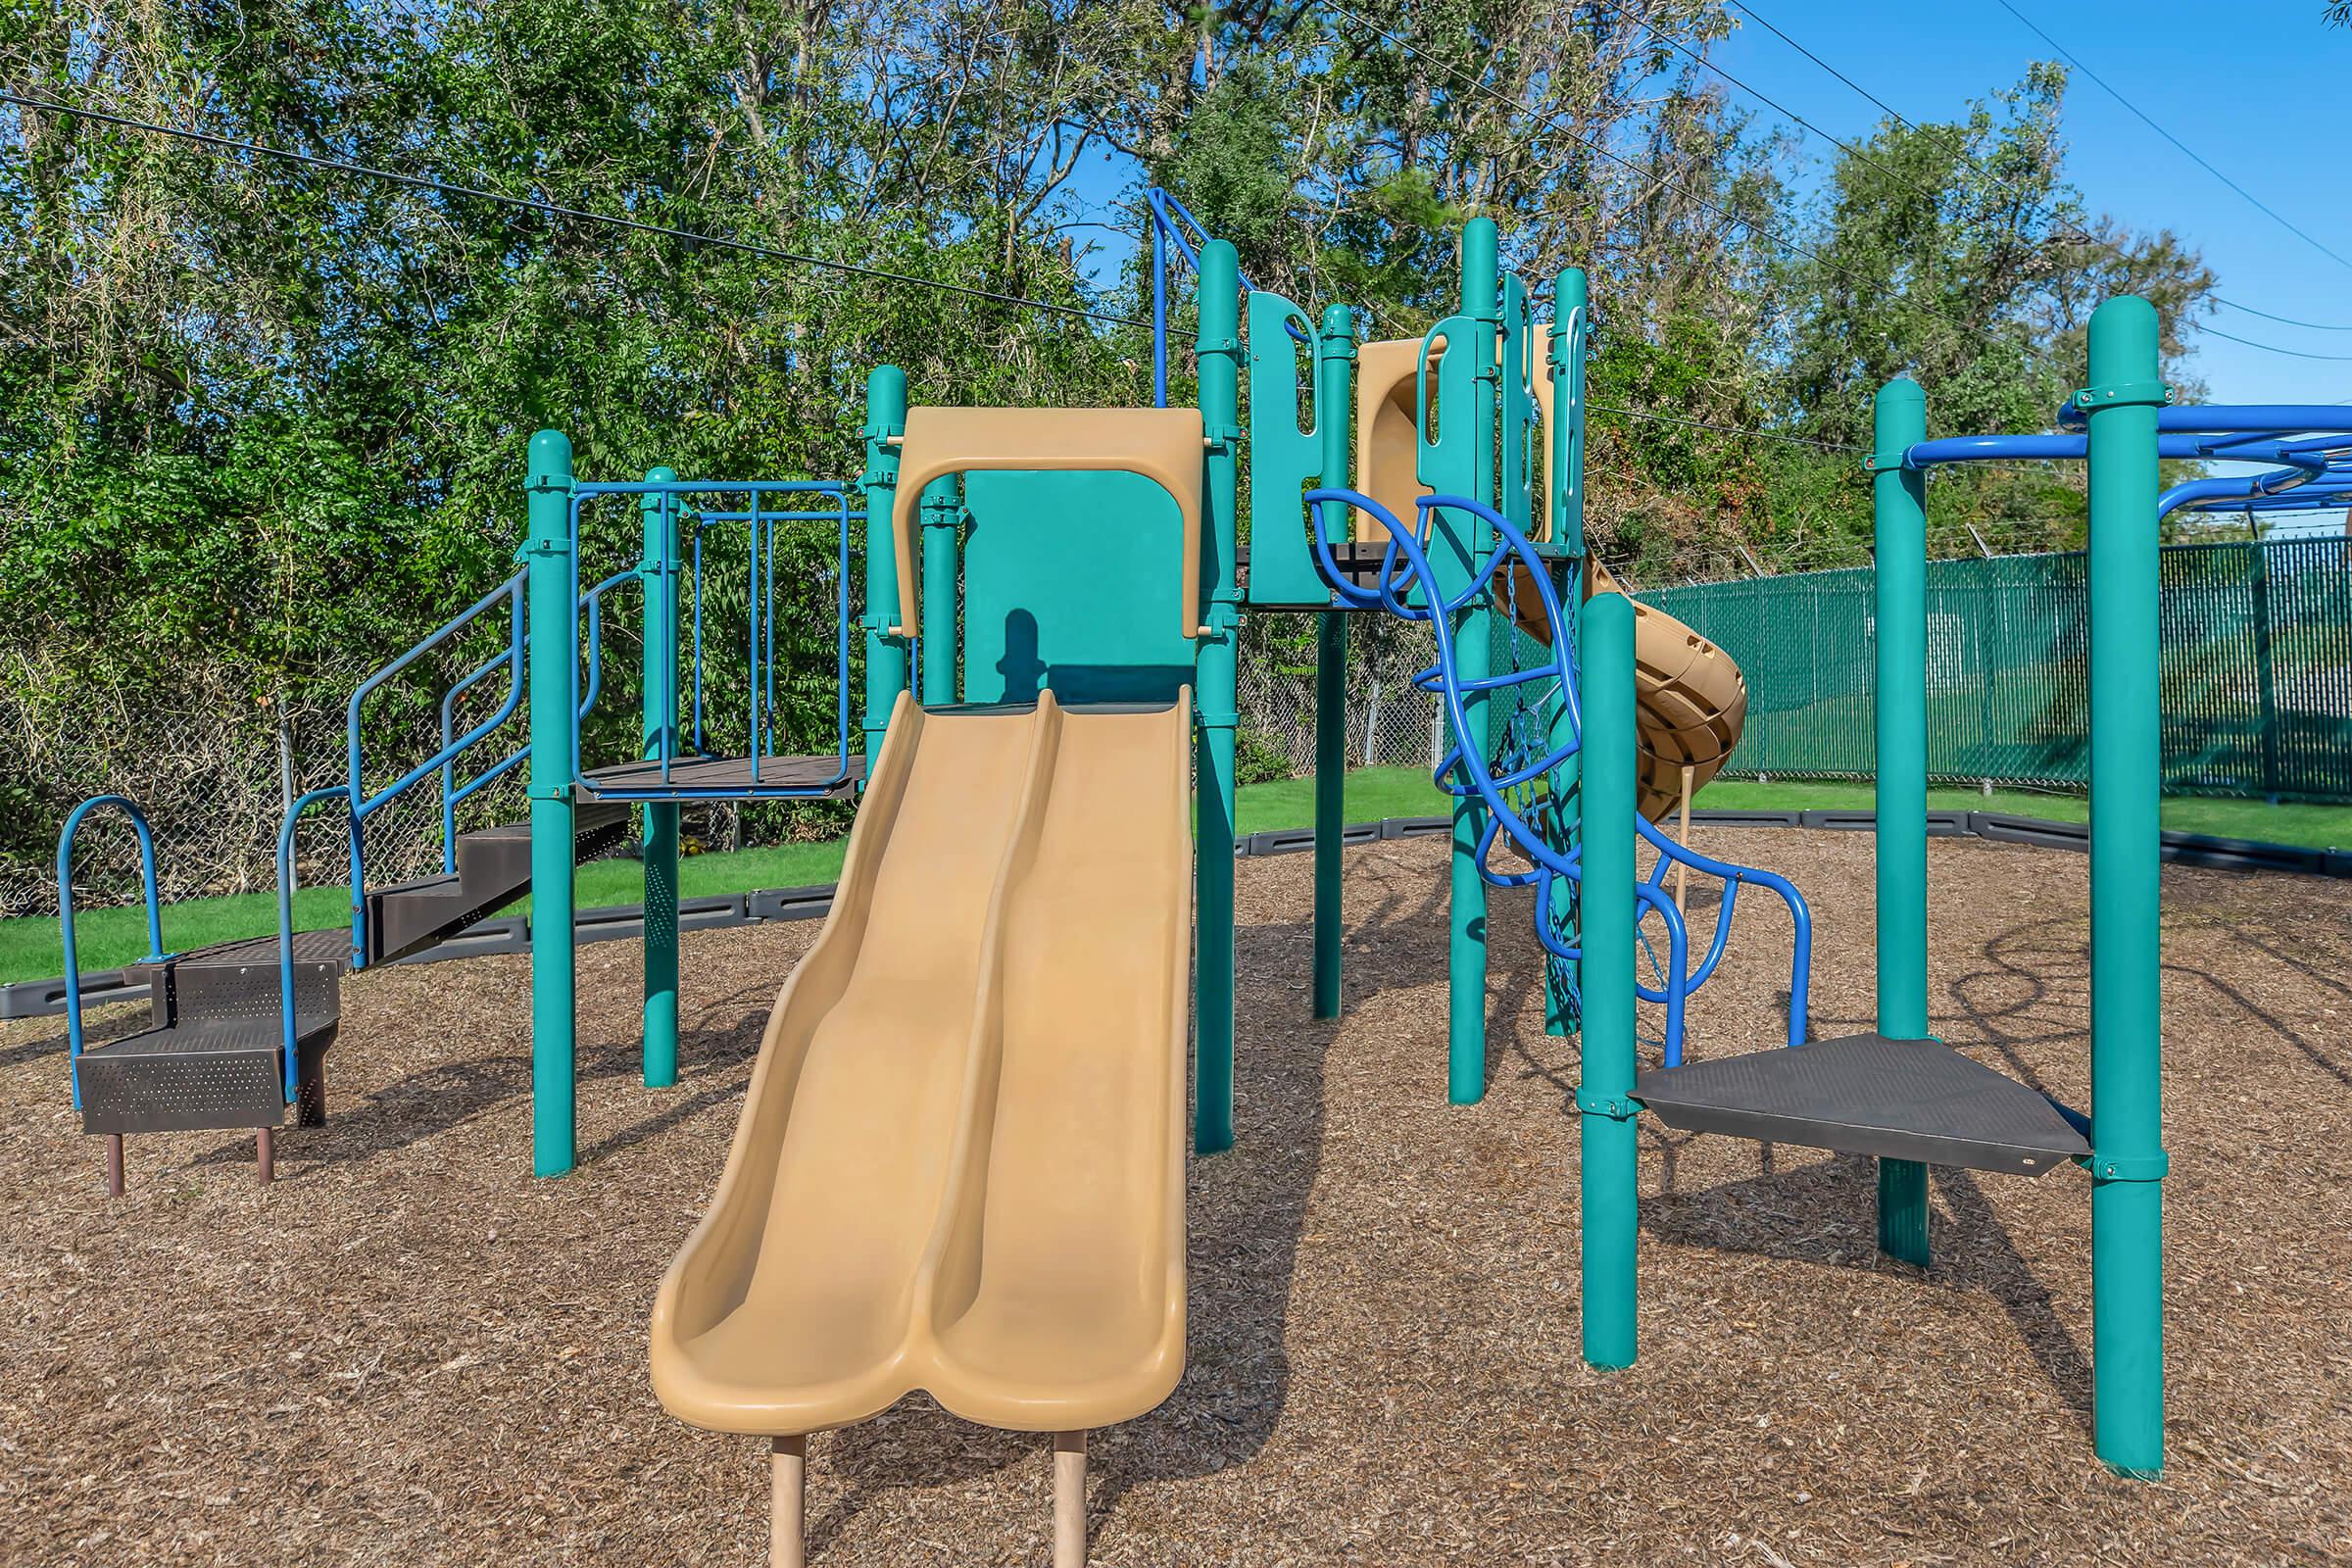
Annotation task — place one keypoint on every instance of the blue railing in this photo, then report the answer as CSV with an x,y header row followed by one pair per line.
x,y
759,729
1466,771
455,794
65,913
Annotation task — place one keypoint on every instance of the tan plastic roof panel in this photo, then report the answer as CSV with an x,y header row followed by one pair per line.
x,y
961,1162
1163,445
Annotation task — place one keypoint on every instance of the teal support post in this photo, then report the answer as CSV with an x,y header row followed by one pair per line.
x,y
885,656
1564,524
2128,1161
1466,966
1335,405
657,576
940,512
550,659
1900,515
1604,1099
1219,350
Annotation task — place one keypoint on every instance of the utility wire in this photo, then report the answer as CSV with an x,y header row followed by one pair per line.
x,y
2299,354
1762,97
1749,223
1723,429
1958,149
2283,321
2143,115
557,210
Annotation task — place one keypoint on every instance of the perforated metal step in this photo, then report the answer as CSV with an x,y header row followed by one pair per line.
x,y
218,1072
1868,1095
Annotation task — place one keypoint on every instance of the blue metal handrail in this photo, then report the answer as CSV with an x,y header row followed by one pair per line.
x,y
762,631
1170,219
454,795
363,805
1404,567
65,913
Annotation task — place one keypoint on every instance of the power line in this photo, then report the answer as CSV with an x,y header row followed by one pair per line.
x,y
1725,429
1757,93
1959,150
2283,321
1749,223
558,209
2299,354
2193,157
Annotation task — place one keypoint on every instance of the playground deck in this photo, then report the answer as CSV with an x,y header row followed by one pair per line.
x,y
408,1350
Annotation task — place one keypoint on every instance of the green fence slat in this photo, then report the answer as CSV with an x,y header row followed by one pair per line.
x,y
2257,670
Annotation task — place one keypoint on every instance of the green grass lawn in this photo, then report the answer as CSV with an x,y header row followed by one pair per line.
x,y
29,948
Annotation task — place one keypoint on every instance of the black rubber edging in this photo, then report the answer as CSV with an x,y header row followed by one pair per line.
x,y
33,999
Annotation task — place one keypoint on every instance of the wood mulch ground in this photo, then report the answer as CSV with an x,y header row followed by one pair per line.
x,y
409,1351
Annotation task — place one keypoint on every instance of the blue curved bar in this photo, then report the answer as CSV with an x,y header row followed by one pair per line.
x,y
1405,565
65,913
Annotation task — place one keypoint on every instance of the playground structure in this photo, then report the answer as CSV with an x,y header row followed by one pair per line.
x,y
1015,879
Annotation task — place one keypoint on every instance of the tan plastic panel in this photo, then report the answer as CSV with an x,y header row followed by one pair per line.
x,y
961,1162
1387,438
1388,442
1163,445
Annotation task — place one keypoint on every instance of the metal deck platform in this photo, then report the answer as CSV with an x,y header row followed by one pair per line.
x,y
1868,1095
824,778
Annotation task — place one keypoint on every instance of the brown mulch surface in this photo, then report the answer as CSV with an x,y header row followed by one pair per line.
x,y
409,1351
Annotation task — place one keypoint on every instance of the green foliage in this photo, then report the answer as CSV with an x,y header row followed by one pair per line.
x,y
270,417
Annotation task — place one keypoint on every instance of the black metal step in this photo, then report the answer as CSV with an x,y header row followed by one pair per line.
x,y
494,869
1868,1095
214,1073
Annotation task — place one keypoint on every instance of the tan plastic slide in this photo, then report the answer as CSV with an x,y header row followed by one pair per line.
x,y
1691,699
960,1162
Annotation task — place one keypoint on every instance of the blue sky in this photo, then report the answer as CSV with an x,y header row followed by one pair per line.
x,y
2263,98
2267,99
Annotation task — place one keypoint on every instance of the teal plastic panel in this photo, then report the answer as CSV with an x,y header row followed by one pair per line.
x,y
1449,465
1283,458
1071,583
1521,418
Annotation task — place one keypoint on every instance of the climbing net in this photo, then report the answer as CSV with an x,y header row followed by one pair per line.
x,y
1516,735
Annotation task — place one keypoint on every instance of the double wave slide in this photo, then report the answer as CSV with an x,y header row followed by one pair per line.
x,y
960,1163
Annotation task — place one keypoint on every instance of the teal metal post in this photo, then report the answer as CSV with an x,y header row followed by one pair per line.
x,y
657,576
1604,1099
1564,523
1900,511
1219,351
885,656
2128,1161
549,657
1466,966
1335,406
941,511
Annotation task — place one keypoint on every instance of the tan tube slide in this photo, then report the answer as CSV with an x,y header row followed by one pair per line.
x,y
960,1162
1691,697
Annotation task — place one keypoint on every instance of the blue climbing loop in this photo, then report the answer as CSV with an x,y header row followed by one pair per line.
x,y
1526,785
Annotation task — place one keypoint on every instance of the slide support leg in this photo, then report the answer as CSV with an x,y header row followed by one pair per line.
x,y
1069,1499
787,1503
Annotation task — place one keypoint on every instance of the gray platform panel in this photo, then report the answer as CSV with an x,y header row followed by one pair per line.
x,y
1868,1095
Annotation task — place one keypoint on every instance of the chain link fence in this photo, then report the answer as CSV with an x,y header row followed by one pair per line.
x,y
1390,724
2255,684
